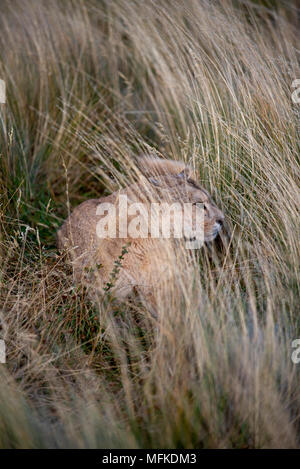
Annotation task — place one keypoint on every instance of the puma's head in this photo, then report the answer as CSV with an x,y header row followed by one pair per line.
x,y
172,182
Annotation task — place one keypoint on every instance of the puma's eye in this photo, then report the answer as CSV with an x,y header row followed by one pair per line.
x,y
200,203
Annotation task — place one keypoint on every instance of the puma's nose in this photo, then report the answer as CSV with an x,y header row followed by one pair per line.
x,y
220,221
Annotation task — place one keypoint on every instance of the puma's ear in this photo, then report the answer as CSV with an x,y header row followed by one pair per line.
x,y
153,166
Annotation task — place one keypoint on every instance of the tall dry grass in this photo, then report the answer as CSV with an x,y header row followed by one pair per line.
x,y
90,85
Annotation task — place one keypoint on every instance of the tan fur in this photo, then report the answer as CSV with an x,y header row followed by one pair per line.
x,y
148,260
